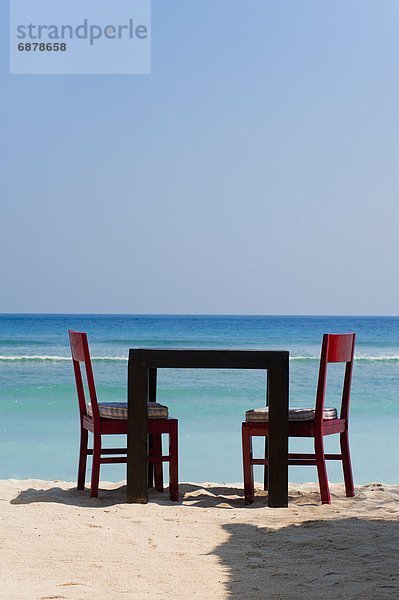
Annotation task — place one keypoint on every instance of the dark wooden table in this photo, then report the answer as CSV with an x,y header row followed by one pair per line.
x,y
142,376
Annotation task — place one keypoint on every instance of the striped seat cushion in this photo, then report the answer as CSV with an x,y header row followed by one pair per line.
x,y
118,410
294,414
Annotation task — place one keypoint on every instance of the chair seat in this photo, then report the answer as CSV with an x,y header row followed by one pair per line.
x,y
118,410
257,415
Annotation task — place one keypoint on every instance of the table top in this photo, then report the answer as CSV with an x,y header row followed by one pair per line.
x,y
208,359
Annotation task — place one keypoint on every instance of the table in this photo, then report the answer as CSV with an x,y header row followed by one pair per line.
x,y
142,376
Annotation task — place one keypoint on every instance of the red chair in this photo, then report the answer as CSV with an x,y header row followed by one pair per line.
x,y
110,418
315,423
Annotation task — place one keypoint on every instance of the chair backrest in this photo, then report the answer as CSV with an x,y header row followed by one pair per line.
x,y
81,355
336,348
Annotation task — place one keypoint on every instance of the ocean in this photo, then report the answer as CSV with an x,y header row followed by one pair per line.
x,y
39,423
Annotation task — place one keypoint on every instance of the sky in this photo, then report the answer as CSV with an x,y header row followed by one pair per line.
x,y
255,171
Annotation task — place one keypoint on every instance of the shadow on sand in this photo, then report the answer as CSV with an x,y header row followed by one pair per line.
x,y
189,494
345,558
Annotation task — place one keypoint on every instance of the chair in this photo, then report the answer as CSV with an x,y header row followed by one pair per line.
x,y
110,418
314,423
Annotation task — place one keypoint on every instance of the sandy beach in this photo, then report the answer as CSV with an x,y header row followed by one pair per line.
x,y
58,543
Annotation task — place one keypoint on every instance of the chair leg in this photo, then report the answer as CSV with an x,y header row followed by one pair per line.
x,y
266,467
174,463
95,470
156,452
247,466
150,466
322,470
346,464
82,459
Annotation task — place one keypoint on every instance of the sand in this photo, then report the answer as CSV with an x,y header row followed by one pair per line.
x,y
57,543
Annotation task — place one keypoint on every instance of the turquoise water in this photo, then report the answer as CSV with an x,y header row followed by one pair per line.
x,y
39,413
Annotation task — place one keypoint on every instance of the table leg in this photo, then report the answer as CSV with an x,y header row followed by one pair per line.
x,y
266,468
137,432
152,397
278,434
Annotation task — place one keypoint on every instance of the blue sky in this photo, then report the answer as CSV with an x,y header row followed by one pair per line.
x,y
255,171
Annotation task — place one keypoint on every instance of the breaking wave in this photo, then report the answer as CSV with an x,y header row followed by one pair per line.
x,y
50,358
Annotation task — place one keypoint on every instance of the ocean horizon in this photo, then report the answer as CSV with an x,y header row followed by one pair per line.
x,y
38,404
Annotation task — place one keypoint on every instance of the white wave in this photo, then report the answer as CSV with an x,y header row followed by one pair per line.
x,y
371,358
292,357
49,358
119,358
387,357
